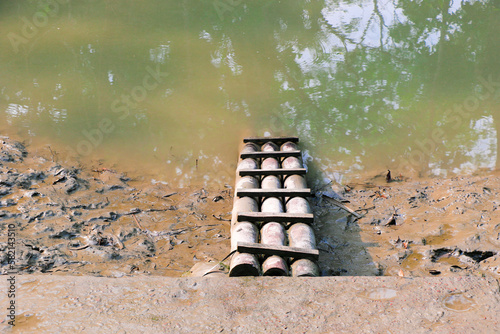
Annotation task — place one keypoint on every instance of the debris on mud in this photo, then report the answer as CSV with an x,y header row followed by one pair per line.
x,y
446,227
77,220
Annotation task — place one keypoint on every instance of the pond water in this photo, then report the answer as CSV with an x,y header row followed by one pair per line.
x,y
173,86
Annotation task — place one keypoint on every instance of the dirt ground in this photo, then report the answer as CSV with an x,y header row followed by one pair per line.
x,y
69,304
90,218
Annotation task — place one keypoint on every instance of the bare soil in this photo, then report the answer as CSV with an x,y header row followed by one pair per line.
x,y
68,304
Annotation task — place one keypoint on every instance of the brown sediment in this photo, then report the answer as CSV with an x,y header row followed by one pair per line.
x,y
76,219
93,219
435,226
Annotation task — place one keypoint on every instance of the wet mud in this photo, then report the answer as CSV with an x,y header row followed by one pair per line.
x,y
89,218
424,227
76,219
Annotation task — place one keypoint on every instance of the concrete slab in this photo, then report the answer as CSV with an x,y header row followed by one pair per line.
x,y
69,304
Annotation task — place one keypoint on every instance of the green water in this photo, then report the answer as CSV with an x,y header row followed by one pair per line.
x,y
174,85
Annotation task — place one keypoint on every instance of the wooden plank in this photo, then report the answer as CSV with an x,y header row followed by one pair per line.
x,y
282,217
273,192
271,154
265,172
283,251
263,140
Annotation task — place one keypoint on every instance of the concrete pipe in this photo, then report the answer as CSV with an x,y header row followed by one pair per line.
x,y
292,162
243,204
298,205
243,232
244,264
272,205
301,236
250,148
273,234
270,163
274,266
269,146
247,182
295,182
247,164
304,267
271,182
289,146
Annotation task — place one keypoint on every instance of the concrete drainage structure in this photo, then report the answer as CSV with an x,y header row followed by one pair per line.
x,y
270,225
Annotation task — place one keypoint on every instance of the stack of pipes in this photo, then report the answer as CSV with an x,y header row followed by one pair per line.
x,y
298,235
244,264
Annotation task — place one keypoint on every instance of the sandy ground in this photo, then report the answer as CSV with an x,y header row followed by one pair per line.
x,y
69,304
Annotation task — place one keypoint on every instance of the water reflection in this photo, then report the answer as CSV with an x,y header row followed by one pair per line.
x,y
406,85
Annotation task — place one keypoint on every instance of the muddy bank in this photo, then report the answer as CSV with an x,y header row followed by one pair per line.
x,y
445,227
91,219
